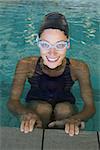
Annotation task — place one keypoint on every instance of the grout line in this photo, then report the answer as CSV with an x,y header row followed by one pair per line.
x,y
42,140
98,138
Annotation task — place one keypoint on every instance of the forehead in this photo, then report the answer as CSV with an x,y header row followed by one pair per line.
x,y
53,35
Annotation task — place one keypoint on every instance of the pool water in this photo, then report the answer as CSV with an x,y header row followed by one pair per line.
x,y
20,20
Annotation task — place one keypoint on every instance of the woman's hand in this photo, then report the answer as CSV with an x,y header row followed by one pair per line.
x,y
72,126
29,121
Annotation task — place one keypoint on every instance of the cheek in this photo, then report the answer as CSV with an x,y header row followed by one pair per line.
x,y
63,53
43,52
43,55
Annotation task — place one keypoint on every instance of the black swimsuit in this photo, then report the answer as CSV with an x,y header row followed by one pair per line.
x,y
51,89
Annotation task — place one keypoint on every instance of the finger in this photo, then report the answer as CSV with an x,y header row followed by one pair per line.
x,y
52,124
76,130
31,124
58,123
67,128
71,129
26,127
22,126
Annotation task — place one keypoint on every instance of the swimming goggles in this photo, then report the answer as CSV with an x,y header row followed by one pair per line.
x,y
59,46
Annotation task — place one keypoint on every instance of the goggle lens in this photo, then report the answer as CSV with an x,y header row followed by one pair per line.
x,y
58,46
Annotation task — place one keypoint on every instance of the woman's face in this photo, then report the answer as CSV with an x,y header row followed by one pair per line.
x,y
52,57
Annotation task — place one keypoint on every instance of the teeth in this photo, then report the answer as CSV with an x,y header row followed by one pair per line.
x,y
52,59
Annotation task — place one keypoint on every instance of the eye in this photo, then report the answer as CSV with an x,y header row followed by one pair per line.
x,y
61,45
43,44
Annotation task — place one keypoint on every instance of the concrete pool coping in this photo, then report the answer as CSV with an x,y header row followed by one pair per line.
x,y
48,139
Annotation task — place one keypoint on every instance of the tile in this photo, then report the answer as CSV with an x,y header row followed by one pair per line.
x,y
59,140
13,139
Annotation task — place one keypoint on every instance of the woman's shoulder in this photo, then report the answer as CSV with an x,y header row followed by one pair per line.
x,y
29,60
78,68
78,63
27,64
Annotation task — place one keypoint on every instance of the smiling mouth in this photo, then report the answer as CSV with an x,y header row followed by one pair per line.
x,y
52,59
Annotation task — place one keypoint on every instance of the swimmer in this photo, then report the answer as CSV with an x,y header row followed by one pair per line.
x,y
49,103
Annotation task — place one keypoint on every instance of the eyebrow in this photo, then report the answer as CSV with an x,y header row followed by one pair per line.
x,y
55,43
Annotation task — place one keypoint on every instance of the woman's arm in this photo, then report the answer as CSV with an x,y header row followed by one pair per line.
x,y
73,123
29,119
83,76
20,76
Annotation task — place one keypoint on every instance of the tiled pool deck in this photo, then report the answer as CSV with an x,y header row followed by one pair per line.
x,y
48,139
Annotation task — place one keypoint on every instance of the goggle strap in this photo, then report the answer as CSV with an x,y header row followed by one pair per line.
x,y
68,44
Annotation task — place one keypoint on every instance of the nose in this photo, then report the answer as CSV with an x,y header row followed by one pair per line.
x,y
52,51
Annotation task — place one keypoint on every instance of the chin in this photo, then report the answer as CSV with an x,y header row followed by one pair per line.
x,y
52,65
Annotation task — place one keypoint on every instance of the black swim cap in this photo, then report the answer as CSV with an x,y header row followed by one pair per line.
x,y
55,20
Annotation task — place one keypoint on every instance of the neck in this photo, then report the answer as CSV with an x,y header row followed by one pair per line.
x,y
53,72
